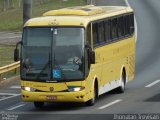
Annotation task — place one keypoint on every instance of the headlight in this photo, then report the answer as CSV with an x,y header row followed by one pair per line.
x,y
75,89
28,89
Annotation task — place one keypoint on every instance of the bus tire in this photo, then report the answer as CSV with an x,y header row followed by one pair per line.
x,y
92,101
38,104
121,89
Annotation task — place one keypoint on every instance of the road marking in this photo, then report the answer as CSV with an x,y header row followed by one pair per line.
x,y
11,95
109,104
11,37
15,87
16,106
14,37
153,83
127,3
136,28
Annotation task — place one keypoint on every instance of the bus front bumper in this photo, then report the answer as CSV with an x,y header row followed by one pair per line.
x,y
53,97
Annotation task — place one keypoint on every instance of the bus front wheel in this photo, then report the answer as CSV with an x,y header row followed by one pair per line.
x,y
92,101
38,104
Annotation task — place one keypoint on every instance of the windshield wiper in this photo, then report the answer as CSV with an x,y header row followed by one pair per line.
x,y
45,66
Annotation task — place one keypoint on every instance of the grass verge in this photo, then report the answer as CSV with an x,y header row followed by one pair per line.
x,y
6,55
11,19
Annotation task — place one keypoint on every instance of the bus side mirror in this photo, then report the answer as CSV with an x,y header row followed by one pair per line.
x,y
16,52
16,55
91,54
92,57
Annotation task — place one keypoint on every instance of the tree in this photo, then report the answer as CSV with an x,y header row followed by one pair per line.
x,y
19,3
8,4
89,2
4,5
11,4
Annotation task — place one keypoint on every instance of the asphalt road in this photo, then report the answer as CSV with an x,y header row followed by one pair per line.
x,y
9,38
142,96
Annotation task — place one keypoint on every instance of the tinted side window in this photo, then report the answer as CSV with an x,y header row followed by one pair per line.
x,y
120,27
127,25
107,26
114,30
101,32
89,35
131,17
95,33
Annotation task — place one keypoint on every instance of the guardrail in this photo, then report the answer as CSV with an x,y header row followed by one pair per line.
x,y
14,66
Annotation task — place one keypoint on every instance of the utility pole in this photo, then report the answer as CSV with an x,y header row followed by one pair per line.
x,y
90,2
27,10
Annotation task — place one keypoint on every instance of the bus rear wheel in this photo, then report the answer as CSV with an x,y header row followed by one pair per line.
x,y
121,89
38,104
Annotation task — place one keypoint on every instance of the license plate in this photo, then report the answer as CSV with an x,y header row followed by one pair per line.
x,y
51,97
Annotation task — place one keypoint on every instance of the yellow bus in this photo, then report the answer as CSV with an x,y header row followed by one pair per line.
x,y
76,54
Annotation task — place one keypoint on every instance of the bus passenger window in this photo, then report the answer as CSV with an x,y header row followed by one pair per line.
x,y
127,26
114,29
95,34
107,31
120,27
131,23
101,32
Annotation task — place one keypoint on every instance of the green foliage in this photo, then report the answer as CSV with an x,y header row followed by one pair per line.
x,y
11,19
6,55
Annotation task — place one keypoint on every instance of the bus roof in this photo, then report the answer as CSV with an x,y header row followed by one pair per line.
x,y
77,16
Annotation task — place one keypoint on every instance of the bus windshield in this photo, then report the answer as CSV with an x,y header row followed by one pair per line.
x,y
53,54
